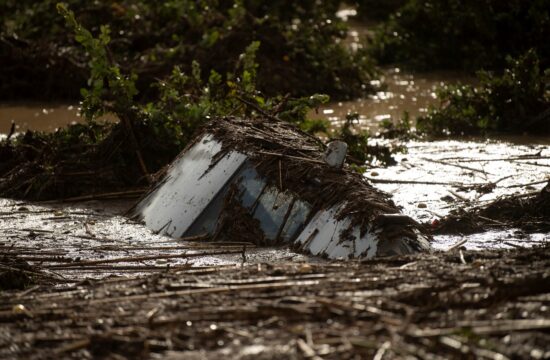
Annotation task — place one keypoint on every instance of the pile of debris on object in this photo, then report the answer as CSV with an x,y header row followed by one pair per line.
x,y
265,181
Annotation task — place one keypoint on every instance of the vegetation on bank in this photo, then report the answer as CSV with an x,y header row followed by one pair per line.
x,y
95,157
515,101
301,51
165,68
377,10
463,35
504,42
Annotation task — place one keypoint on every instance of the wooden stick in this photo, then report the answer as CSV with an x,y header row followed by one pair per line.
x,y
116,194
492,327
458,244
139,258
513,158
531,183
414,182
280,177
292,157
455,165
307,350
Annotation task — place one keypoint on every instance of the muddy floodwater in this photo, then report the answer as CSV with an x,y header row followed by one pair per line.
x,y
398,92
39,116
429,180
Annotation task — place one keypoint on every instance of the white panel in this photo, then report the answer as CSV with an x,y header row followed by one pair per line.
x,y
337,247
368,243
318,232
322,236
189,187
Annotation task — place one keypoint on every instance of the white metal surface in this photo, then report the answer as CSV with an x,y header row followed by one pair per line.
x,y
190,185
322,236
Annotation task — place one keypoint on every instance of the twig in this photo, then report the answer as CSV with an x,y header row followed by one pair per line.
x,y
529,184
492,220
415,182
280,177
513,158
12,131
454,193
492,327
456,165
77,345
292,157
117,194
139,258
534,164
216,290
513,245
307,350
130,129
34,273
458,244
380,353
462,260
255,107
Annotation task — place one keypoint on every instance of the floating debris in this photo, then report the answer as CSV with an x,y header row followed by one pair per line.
x,y
496,306
265,181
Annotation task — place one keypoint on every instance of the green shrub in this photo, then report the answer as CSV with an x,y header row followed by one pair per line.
x,y
516,101
300,52
463,34
377,9
94,157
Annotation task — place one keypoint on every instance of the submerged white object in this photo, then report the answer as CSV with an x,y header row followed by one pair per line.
x,y
192,200
189,187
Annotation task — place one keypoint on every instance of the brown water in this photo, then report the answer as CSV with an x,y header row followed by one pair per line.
x,y
399,91
40,116
37,116
402,92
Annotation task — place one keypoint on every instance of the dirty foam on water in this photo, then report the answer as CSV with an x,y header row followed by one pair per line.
x,y
433,178
65,239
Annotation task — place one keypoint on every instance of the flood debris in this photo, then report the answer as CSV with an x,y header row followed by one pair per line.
x,y
528,211
493,305
265,181
14,274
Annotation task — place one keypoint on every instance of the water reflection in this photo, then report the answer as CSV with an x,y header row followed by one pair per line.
x,y
402,92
